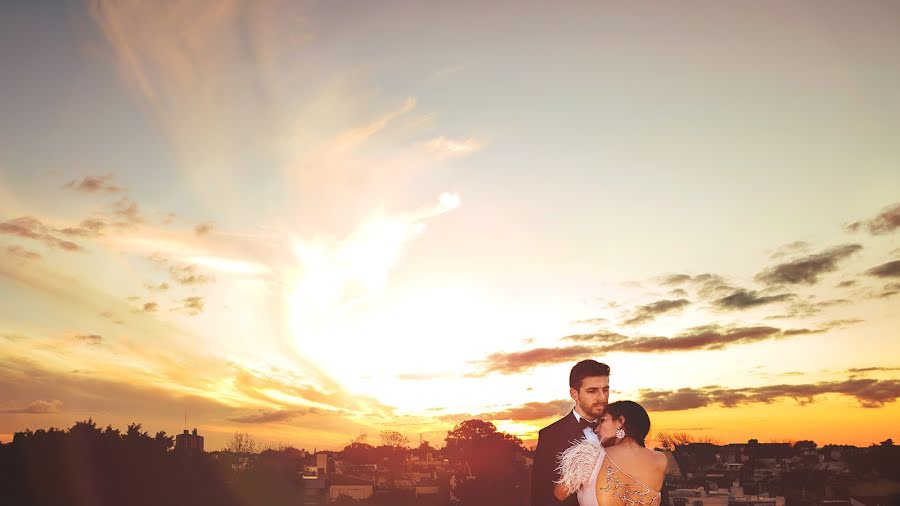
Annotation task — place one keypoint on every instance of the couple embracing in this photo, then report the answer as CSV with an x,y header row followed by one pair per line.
x,y
595,455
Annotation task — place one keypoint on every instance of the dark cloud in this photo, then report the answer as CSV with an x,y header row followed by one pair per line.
x,y
847,283
94,184
676,400
743,299
150,307
807,270
870,393
29,227
39,407
887,221
710,337
22,253
873,369
89,228
679,292
650,311
193,305
89,338
203,228
527,412
262,416
511,363
886,270
701,339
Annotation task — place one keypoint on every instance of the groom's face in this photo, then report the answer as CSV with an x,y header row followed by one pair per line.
x,y
592,396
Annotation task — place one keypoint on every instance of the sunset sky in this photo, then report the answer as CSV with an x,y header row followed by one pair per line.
x,y
314,220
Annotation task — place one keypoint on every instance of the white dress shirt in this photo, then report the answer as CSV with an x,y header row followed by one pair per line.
x,y
588,432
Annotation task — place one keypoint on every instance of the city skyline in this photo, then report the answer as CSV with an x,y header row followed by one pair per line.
x,y
313,221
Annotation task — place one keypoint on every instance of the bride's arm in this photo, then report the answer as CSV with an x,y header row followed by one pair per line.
x,y
575,467
560,492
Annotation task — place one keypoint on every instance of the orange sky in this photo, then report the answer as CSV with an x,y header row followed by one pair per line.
x,y
309,222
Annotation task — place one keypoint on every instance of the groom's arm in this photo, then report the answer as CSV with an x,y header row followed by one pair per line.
x,y
543,471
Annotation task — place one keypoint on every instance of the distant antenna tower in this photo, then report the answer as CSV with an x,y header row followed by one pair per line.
x,y
185,420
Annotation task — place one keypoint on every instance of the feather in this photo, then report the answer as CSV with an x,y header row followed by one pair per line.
x,y
577,463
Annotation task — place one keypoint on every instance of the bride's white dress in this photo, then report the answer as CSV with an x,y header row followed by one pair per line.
x,y
585,465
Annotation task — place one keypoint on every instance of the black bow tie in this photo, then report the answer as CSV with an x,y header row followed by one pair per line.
x,y
584,423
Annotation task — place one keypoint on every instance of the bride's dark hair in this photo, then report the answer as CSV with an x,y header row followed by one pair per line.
x,y
637,421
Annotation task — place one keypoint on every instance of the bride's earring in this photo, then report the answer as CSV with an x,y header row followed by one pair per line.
x,y
620,433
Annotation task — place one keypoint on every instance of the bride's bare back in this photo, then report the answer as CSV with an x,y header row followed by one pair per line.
x,y
630,475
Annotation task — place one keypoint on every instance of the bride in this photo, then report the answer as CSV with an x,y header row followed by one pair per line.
x,y
617,471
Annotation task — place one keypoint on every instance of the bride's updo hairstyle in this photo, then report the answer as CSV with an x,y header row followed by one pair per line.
x,y
637,422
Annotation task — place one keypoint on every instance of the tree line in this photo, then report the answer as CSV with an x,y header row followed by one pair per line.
x,y
92,466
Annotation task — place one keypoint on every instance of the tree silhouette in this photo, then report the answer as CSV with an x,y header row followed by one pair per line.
x,y
490,455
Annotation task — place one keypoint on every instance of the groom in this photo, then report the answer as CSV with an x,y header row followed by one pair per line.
x,y
589,388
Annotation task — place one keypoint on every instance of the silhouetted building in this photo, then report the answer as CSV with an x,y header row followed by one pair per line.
x,y
189,442
355,488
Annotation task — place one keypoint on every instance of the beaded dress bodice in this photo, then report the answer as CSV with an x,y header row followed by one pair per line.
x,y
587,470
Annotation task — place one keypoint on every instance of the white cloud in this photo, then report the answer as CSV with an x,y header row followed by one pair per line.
x,y
445,147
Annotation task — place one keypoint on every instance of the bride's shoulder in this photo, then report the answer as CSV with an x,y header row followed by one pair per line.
x,y
659,458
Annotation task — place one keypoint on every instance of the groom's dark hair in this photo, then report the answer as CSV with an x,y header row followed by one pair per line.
x,y
586,369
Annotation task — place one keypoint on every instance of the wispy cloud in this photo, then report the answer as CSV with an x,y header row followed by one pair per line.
x,y
21,253
872,369
804,309
93,339
807,270
649,312
520,361
886,270
711,337
29,227
127,213
89,228
871,393
203,228
743,299
39,407
527,412
94,184
442,146
887,221
273,416
792,248
193,305
707,285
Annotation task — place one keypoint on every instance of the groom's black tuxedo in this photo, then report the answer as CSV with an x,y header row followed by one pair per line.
x,y
552,440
